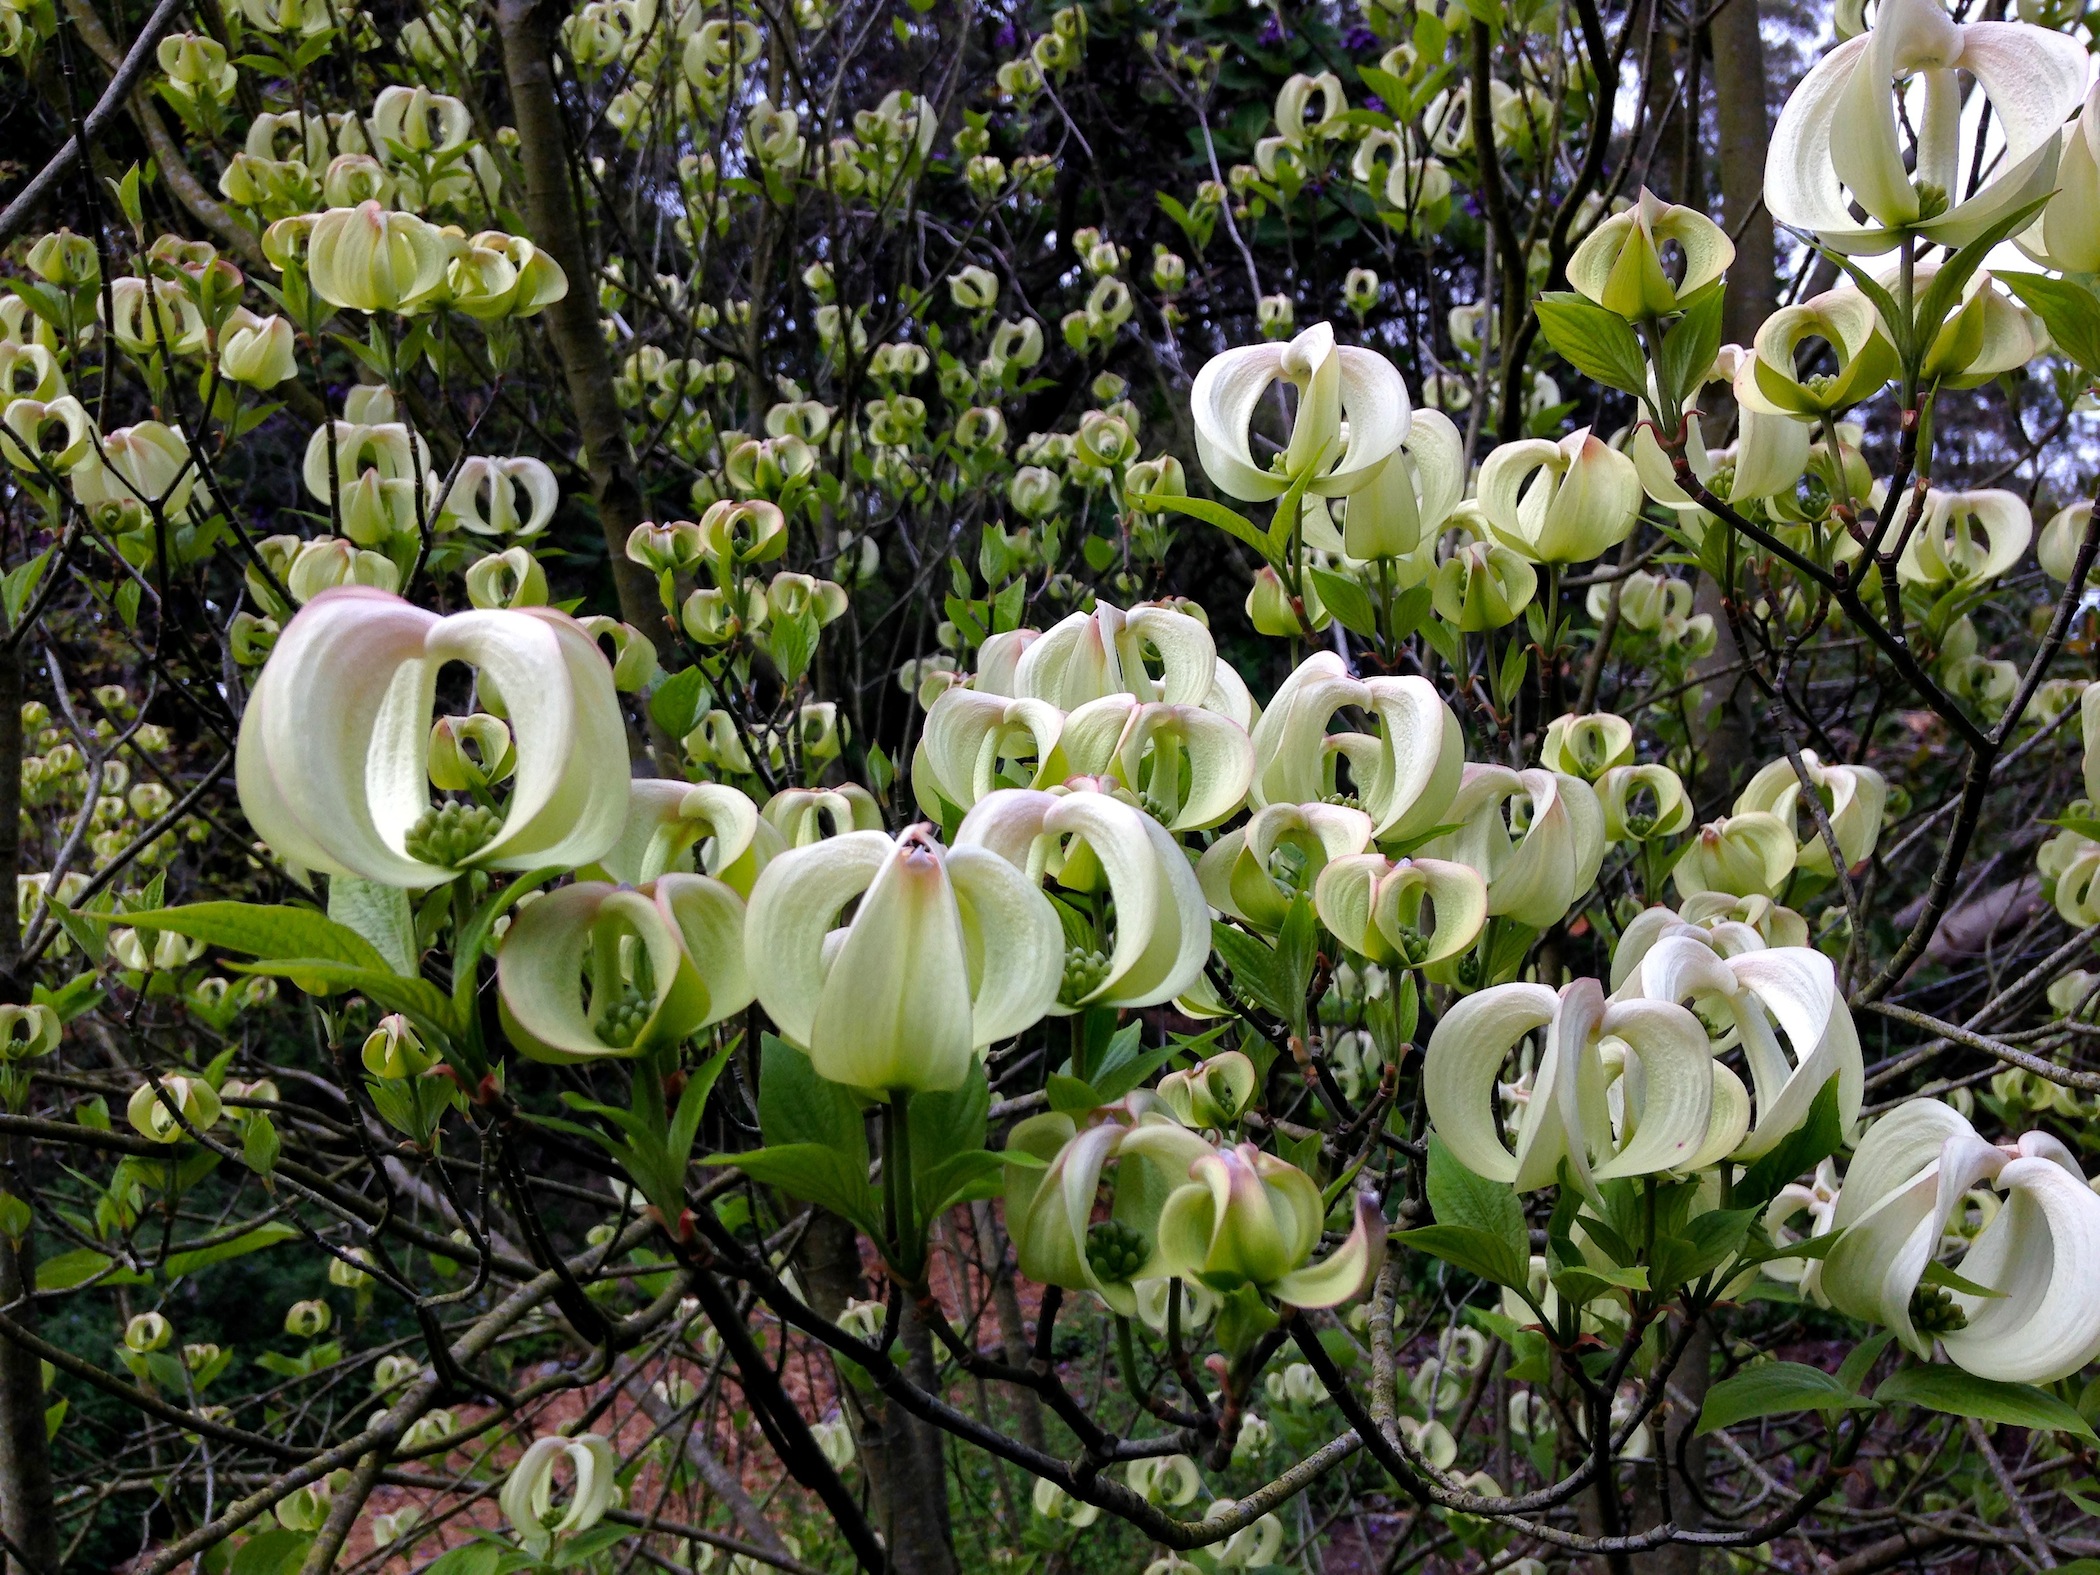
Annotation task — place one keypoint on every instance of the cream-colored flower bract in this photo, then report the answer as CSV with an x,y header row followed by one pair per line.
x,y
1109,651
678,826
1254,872
1858,796
663,962
332,762
1403,778
975,742
1839,140
1966,538
527,1498
2040,1251
1674,1107
1619,263
1747,854
1335,384
1761,994
1412,495
1249,1218
1560,502
1088,841
1373,905
947,952
1537,876
1050,1204
1188,766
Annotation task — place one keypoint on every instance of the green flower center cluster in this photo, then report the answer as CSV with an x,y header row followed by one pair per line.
x,y
1115,1251
1933,1311
1084,971
451,833
620,1023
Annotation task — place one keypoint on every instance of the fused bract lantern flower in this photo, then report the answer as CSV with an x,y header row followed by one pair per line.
x,y
1335,383
1587,746
1246,1218
1619,263
332,762
947,951
663,962
1403,778
1560,502
1749,853
1839,140
2038,1255
1751,997
1050,1203
1537,874
1090,842
1254,872
677,826
1374,906
1966,538
1412,495
975,742
1856,798
1188,766
1109,651
1622,1087
1769,380
527,1498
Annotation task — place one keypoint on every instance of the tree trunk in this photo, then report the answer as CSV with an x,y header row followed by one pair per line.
x,y
28,1509
527,31
1745,129
903,1458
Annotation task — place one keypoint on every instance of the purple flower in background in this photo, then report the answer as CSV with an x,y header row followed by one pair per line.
x,y
1374,103
1271,34
1359,37
1007,37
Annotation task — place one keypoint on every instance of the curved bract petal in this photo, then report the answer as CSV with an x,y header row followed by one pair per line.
x,y
1335,384
1412,494
1750,853
1255,872
1792,988
944,952
1088,840
1404,777
1374,906
1109,651
334,745
1460,1069
1858,796
1188,766
1839,139
610,932
1247,1218
803,816
975,742
1537,877
672,826
1560,502
2042,1250
1966,538
1625,1088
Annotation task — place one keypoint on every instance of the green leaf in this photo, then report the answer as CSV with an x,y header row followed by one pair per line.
x,y
1346,600
1478,1252
181,1263
1952,276
1595,342
1775,1389
944,1126
1253,966
1955,1393
378,913
814,1173
1209,513
260,931
1939,1274
1688,349
1706,1242
1072,1096
797,1106
65,1270
421,1001
1459,1197
2070,311
18,587
1860,1360
680,701
277,1550
1799,1152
